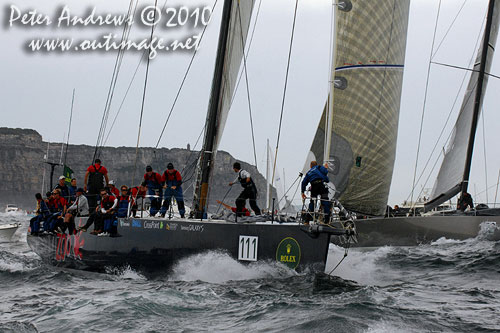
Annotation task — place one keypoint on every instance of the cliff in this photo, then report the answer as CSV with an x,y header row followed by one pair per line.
x,y
23,154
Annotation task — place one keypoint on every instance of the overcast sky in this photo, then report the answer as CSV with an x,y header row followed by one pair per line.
x,y
36,88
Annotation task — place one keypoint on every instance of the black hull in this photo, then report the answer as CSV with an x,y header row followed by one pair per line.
x,y
153,244
411,231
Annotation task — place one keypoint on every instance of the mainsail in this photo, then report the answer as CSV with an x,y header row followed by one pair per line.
x,y
455,167
368,60
233,33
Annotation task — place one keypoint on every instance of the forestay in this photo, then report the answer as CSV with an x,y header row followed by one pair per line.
x,y
368,60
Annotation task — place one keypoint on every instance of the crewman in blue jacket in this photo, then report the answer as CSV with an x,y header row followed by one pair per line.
x,y
317,176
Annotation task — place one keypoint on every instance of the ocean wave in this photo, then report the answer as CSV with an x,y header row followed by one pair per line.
x,y
17,327
12,263
219,267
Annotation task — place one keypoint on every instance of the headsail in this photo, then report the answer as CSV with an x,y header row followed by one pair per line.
x,y
233,33
456,163
368,61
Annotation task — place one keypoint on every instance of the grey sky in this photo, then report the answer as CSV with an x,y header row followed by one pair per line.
x,y
36,88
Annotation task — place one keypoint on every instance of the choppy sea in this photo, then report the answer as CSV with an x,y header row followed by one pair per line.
x,y
447,286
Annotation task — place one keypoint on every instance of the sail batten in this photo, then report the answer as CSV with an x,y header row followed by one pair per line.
x,y
368,60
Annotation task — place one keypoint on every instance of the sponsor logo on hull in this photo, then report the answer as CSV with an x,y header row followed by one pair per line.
x,y
288,252
192,227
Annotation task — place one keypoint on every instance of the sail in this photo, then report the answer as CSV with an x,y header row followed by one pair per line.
x,y
368,60
239,24
235,22
451,174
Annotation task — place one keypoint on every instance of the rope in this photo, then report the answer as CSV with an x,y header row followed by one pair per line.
x,y
182,82
346,251
289,188
293,197
425,100
284,91
222,201
143,98
247,85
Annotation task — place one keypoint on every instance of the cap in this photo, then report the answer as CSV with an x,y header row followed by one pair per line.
x,y
170,166
62,177
149,168
111,182
80,190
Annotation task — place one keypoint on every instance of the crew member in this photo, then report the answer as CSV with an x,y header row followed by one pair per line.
x,y
42,213
173,181
465,202
58,204
104,211
136,193
249,191
317,176
154,182
96,178
65,193
123,202
112,188
72,190
79,208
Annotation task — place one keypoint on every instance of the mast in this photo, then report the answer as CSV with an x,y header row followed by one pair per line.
x,y
479,93
207,158
268,183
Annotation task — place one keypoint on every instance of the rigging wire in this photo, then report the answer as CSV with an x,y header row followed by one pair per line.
x,y
183,81
248,51
284,91
425,100
144,54
124,97
143,98
471,61
247,84
114,79
69,127
449,29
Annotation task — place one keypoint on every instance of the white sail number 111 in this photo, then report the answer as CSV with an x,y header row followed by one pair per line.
x,y
247,249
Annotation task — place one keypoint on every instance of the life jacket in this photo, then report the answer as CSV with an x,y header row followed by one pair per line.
x,y
58,205
152,181
243,181
96,178
172,179
123,201
108,202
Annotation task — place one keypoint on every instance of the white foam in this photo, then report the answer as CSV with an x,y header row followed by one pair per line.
x,y
359,265
125,273
219,267
444,241
489,230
